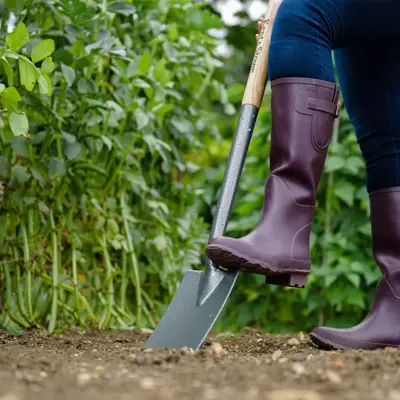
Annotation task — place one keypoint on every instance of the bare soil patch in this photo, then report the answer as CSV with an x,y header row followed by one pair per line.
x,y
113,365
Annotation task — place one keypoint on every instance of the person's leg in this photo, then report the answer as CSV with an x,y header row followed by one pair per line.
x,y
369,77
373,106
306,31
304,101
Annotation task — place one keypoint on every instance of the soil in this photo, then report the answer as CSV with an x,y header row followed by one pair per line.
x,y
113,365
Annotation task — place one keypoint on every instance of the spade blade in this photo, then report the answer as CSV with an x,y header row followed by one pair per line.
x,y
185,323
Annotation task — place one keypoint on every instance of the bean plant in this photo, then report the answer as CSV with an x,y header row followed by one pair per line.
x,y
102,103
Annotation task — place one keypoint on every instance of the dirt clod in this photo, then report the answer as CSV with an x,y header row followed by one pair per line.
x,y
217,349
277,355
293,342
333,377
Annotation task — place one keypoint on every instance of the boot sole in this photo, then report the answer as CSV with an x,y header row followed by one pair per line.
x,y
352,344
324,343
228,259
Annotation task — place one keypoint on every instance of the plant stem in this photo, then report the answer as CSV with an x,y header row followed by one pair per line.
x,y
124,281
28,272
54,244
8,300
133,260
75,281
109,281
18,287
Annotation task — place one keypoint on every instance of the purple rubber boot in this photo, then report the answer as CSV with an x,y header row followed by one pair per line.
x,y
303,114
381,326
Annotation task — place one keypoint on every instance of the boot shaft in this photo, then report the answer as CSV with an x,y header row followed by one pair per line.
x,y
303,113
385,223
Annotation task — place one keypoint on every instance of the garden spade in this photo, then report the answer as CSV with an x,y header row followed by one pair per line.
x,y
202,295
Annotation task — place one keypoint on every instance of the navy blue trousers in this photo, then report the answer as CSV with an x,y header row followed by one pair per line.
x,y
364,37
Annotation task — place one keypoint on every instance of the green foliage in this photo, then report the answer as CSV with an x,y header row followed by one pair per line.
x,y
99,218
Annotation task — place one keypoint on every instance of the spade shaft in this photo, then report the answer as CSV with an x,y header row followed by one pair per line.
x,y
202,295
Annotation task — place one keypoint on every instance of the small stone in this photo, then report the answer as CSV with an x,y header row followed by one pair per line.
x,y
187,350
146,330
282,360
100,368
276,355
147,350
293,394
43,374
394,395
302,337
84,379
147,383
338,364
298,369
293,342
140,360
333,377
309,357
217,349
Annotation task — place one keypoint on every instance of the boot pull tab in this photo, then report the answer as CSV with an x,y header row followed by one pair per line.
x,y
324,106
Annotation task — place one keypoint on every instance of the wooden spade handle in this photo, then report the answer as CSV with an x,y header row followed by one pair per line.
x,y
257,81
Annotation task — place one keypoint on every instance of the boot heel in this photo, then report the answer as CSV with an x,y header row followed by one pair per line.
x,y
296,280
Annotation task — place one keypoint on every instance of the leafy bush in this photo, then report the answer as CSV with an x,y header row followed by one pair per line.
x,y
99,215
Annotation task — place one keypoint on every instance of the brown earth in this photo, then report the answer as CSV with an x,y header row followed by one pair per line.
x,y
113,365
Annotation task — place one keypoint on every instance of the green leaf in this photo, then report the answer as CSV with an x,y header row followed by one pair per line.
x,y
18,124
20,146
9,72
38,176
142,118
47,66
57,168
18,37
45,85
140,83
160,243
4,168
354,279
27,74
145,63
43,208
355,298
19,173
69,74
14,5
159,70
365,229
334,163
72,150
112,226
42,50
345,191
173,32
11,94
121,7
